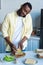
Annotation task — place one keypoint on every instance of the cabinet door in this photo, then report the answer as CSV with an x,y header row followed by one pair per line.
x,y
32,44
29,46
2,44
35,44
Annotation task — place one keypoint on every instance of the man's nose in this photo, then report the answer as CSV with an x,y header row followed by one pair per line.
x,y
24,13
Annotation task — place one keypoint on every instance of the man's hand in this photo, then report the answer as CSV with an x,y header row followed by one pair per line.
x,y
20,45
12,46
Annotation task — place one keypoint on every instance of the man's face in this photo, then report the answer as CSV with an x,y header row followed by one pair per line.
x,y
24,10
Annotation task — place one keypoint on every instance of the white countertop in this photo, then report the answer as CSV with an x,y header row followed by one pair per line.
x,y
29,54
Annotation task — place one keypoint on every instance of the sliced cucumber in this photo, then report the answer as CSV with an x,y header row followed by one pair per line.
x,y
9,58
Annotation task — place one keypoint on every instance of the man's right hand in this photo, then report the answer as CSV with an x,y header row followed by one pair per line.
x,y
12,46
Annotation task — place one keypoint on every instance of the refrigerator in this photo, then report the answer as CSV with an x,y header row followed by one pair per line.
x,y
41,30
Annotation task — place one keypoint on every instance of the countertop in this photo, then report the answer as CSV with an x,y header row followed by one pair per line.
x,y
35,37
29,54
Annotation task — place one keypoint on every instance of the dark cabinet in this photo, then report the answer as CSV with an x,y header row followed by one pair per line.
x,y
41,30
41,26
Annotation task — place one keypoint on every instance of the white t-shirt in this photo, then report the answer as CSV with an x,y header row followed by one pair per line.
x,y
17,33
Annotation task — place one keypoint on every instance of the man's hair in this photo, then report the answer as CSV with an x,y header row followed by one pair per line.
x,y
29,5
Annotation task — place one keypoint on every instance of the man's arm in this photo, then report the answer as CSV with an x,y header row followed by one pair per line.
x,y
20,45
10,44
13,47
5,27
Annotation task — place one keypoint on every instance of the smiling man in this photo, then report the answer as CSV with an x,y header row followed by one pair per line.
x,y
17,28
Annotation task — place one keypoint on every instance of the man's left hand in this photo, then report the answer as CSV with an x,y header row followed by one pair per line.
x,y
20,45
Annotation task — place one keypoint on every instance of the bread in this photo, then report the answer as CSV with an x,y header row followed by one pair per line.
x,y
19,53
39,50
30,61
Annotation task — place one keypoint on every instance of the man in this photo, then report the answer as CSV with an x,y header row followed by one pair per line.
x,y
17,28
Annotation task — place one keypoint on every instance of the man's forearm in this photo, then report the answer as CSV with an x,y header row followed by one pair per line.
x,y
8,41
12,46
20,45
24,39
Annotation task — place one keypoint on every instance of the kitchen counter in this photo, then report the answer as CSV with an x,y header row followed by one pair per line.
x,y
29,54
32,36
35,37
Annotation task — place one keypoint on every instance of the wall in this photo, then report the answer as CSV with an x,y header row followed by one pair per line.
x,y
0,4
12,5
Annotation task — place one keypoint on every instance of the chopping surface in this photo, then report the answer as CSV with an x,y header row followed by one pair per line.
x,y
19,61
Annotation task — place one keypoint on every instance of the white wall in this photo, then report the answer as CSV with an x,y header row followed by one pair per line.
x,y
12,5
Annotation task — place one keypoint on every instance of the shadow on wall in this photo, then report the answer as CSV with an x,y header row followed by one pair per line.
x,y
36,19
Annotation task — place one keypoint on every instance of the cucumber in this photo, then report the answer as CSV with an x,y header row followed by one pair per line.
x,y
9,58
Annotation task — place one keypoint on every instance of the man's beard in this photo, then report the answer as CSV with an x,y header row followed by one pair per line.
x,y
19,13
24,16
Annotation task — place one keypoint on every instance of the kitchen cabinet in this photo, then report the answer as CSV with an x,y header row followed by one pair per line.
x,y
33,43
2,45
